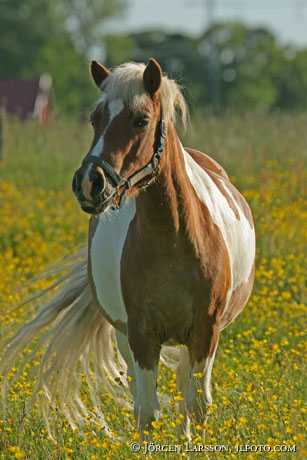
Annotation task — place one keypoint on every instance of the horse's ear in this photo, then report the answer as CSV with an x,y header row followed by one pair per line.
x,y
99,73
152,76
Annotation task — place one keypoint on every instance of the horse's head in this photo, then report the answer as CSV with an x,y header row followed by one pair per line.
x,y
129,132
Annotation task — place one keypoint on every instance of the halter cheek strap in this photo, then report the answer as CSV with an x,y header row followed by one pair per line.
x,y
150,170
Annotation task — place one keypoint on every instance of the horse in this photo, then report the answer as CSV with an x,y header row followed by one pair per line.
x,y
169,261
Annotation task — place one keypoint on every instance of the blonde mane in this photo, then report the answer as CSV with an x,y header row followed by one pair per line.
x,y
126,82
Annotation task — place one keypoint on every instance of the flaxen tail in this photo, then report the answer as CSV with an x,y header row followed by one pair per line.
x,y
78,345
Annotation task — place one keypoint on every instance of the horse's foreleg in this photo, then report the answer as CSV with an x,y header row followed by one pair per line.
x,y
183,373
125,351
198,396
146,406
146,355
202,353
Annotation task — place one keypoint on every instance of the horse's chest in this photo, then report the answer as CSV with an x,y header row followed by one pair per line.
x,y
158,287
168,280
105,253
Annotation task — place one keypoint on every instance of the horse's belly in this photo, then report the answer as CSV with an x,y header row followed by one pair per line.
x,y
105,252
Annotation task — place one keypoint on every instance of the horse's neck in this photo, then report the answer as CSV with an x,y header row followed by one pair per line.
x,y
162,207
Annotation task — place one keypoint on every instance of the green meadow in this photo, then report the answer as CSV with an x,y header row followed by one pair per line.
x,y
258,377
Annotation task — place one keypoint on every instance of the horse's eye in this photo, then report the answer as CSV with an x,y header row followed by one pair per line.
x,y
141,122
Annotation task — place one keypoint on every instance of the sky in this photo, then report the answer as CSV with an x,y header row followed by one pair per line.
x,y
288,18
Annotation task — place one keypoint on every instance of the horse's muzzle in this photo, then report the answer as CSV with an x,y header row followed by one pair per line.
x,y
98,197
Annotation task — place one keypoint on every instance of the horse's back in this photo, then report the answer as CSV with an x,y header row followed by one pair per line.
x,y
206,162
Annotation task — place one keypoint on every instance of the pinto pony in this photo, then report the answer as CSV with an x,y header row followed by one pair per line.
x,y
170,257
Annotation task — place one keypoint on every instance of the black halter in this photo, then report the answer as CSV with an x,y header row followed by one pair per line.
x,y
150,170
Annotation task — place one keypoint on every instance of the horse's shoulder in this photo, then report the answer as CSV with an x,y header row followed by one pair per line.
x,y
207,162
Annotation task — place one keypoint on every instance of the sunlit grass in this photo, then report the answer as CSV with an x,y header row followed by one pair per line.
x,y
258,378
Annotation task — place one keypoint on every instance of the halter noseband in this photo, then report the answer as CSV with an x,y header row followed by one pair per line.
x,y
150,170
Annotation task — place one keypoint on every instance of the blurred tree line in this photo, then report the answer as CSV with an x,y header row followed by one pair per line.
x,y
231,65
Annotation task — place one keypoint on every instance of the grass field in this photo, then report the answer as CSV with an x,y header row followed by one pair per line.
x,y
258,377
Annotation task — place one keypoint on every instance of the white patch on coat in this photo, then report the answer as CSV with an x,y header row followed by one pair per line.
x,y
127,355
195,383
146,403
238,235
207,378
106,252
97,149
115,107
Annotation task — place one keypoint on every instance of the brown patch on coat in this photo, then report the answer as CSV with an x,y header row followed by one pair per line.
x,y
124,146
119,325
99,119
238,300
242,203
207,162
180,260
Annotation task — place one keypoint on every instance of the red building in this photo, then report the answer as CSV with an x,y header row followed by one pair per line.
x,y
27,98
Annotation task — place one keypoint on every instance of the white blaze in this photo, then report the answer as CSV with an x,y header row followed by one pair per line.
x,y
114,107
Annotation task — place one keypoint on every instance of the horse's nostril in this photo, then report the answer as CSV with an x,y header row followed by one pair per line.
x,y
98,183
